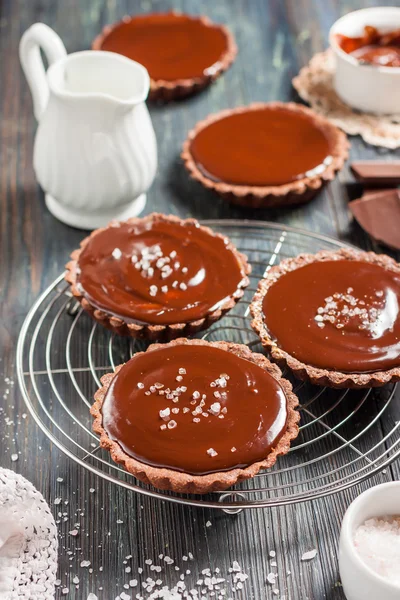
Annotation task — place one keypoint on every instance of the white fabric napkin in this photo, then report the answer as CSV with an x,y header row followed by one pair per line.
x,y
28,541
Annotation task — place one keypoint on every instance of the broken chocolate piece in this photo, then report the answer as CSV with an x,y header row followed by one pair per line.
x,y
379,215
377,173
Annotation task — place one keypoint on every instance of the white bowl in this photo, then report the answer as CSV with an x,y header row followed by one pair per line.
x,y
358,580
366,87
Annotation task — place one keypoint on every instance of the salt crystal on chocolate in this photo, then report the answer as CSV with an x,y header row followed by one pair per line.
x,y
116,253
212,452
164,414
215,408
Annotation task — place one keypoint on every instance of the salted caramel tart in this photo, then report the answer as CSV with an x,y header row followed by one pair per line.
x,y
183,54
195,416
265,154
333,317
157,277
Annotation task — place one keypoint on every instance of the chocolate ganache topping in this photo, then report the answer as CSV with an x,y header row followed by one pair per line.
x,y
338,315
171,46
195,409
267,146
159,271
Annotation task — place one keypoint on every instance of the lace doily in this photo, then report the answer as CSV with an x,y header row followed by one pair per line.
x,y
314,84
28,541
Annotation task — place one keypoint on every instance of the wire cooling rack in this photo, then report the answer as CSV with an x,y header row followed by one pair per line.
x,y
345,436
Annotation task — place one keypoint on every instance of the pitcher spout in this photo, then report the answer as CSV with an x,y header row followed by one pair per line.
x,y
100,74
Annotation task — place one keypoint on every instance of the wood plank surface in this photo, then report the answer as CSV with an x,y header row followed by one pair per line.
x,y
275,39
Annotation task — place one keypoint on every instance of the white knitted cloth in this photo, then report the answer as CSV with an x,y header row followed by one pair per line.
x,y
28,541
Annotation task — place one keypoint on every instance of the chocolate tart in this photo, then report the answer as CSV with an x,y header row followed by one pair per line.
x,y
333,318
157,277
265,155
183,54
194,416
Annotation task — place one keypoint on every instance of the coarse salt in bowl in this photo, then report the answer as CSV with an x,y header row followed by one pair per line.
x,y
369,545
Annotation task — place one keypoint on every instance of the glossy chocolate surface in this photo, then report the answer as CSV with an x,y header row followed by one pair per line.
x,y
263,147
158,272
374,48
196,409
337,315
170,46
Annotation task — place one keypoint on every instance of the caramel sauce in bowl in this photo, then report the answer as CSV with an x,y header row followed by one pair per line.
x,y
367,85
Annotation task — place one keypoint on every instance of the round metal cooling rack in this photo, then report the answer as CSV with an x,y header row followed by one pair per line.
x,y
345,436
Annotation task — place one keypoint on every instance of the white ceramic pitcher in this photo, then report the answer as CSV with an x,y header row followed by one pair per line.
x,y
95,152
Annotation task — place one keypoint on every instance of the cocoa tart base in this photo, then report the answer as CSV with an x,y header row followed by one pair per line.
x,y
305,372
147,331
168,479
166,91
296,192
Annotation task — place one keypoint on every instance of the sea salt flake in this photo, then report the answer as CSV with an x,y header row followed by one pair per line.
x,y
309,555
215,408
165,413
116,253
208,524
14,457
85,563
153,290
212,452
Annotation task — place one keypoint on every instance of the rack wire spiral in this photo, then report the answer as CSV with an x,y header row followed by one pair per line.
x,y
345,436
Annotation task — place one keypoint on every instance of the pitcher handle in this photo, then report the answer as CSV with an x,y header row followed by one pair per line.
x,y
37,37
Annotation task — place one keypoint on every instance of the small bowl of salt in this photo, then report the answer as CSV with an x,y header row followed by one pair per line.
x,y
369,549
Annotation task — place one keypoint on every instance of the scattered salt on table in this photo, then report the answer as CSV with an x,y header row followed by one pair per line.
x,y
377,542
309,555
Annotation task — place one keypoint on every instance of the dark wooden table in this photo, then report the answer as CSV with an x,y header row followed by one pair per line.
x,y
275,39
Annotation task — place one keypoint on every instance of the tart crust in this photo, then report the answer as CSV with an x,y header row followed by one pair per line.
x,y
143,330
305,372
168,479
295,192
164,90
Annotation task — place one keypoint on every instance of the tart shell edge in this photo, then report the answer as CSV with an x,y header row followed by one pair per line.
x,y
297,192
303,371
168,479
147,331
166,91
